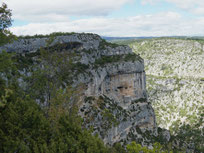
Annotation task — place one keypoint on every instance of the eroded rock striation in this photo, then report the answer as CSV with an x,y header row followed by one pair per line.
x,y
114,102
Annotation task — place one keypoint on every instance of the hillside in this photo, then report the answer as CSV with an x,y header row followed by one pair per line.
x,y
175,83
103,83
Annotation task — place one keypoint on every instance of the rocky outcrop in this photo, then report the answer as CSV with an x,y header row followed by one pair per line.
x,y
114,102
33,44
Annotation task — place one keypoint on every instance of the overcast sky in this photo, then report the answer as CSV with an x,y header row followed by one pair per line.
x,y
108,17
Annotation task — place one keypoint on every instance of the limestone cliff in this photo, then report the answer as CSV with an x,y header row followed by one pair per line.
x,y
114,102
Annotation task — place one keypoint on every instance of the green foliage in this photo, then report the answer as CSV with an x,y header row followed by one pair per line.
x,y
5,16
134,148
55,34
110,118
5,22
7,64
3,100
140,100
103,44
166,69
50,35
132,57
8,76
107,59
192,134
137,148
117,58
118,148
25,128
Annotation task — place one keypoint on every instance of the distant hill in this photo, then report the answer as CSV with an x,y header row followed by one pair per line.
x,y
124,38
175,69
139,38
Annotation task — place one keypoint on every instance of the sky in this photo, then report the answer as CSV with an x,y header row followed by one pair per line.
x,y
118,18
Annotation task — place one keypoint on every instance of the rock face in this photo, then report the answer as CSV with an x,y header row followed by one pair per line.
x,y
124,88
124,82
114,102
33,44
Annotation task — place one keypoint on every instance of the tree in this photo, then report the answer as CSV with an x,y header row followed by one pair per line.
x,y
133,147
5,15
8,75
5,22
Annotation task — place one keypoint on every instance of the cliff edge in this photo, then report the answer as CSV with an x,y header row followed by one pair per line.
x,y
113,102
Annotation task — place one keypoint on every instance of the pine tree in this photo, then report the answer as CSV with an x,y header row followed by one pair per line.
x,y
5,22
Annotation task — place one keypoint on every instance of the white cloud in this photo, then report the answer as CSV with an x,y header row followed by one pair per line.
x,y
161,24
193,6
144,2
60,10
185,4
